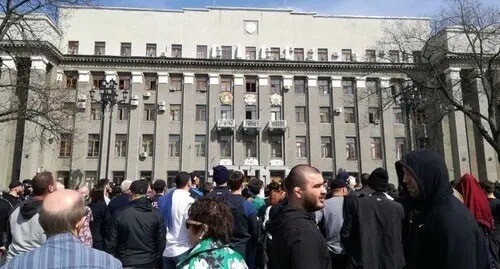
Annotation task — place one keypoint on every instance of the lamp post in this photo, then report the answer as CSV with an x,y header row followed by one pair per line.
x,y
109,96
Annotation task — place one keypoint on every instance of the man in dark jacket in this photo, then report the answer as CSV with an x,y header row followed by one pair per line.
x,y
373,237
365,189
297,242
220,176
444,235
137,233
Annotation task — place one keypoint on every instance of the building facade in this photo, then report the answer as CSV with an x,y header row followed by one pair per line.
x,y
258,90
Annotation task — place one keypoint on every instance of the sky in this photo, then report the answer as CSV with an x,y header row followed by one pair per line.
x,y
408,8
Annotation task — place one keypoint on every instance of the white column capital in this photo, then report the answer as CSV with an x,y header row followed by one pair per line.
x,y
238,79
162,77
312,81
452,73
39,62
188,78
136,77
336,81
287,81
360,82
83,76
110,75
8,62
213,79
385,82
263,80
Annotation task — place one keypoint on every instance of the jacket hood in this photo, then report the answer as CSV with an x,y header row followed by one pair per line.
x,y
286,214
142,204
430,173
30,207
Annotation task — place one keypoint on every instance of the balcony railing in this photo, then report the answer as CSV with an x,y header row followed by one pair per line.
x,y
277,125
251,125
225,124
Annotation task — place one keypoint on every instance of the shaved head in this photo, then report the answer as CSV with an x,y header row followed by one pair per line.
x,y
62,212
298,176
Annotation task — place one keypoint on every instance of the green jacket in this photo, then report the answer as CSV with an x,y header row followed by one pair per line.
x,y
213,255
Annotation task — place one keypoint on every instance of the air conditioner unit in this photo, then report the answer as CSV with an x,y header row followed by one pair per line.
x,y
338,110
354,57
161,103
134,97
134,102
376,121
173,89
282,56
162,54
287,87
335,55
146,94
82,97
218,52
310,51
161,108
143,155
290,50
81,105
203,89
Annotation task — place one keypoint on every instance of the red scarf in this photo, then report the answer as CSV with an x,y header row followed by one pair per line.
x,y
476,201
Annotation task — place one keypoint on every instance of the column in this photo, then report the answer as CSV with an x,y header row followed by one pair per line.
x,y
188,117
387,131
81,132
134,133
161,129
338,124
313,130
239,116
107,135
363,131
213,154
289,116
264,110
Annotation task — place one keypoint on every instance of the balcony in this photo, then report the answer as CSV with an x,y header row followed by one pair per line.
x,y
277,126
251,125
225,124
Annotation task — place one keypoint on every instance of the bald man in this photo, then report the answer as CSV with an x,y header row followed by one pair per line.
x,y
61,217
297,241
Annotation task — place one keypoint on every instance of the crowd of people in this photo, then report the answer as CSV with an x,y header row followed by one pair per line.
x,y
238,222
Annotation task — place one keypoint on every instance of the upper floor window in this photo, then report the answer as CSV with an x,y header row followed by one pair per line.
x,y
348,86
251,84
66,145
151,50
176,50
298,54
275,85
125,49
323,55
99,48
93,146
324,86
175,112
250,53
349,115
122,112
371,56
124,82
72,47
227,52
71,80
299,84
346,55
417,56
373,115
174,145
274,54
300,147
201,83
176,82
150,84
148,144
394,56
376,148
149,112
324,115
201,52
398,115
300,114
226,84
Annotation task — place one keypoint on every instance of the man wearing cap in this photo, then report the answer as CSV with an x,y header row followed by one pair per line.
x,y
373,237
16,190
330,220
220,177
136,235
8,202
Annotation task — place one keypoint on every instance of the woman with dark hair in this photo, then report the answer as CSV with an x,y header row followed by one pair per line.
x,y
98,225
210,224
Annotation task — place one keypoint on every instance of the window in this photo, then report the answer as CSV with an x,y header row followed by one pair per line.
x,y
201,112
201,52
250,144
226,85
373,115
323,55
68,110
394,56
250,53
147,144
225,147
400,147
150,83
151,50
346,55
326,147
275,113
417,56
174,145
122,112
146,175
72,47
149,112
199,145
95,111
251,112
175,112
324,115
405,57
66,145
176,51
300,147
348,86
124,83
371,56
300,85
118,177
276,147
274,54
300,114
372,86
98,79
351,148
298,54
125,49
121,145
376,148
99,48
275,85
201,83
176,82
71,80
93,146
251,84
421,117
324,86
226,112
398,115
349,115
227,52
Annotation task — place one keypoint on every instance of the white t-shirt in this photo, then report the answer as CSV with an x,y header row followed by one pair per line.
x,y
177,236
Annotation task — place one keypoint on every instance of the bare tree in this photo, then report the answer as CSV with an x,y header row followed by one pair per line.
x,y
465,34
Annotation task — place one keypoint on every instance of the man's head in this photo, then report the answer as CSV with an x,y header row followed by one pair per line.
x,y
159,186
195,178
62,211
28,187
235,182
183,180
139,189
379,180
338,187
84,192
221,175
255,186
125,186
364,179
43,184
305,189
487,186
16,188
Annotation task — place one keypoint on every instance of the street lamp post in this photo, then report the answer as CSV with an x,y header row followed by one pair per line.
x,y
109,96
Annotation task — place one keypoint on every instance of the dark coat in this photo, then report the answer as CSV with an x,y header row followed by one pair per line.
x,y
441,233
137,235
297,242
98,225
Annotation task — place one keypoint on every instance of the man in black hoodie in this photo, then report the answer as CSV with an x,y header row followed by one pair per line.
x,y
441,233
297,242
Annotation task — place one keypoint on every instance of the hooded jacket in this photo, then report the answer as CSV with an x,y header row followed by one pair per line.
x,y
137,235
26,233
297,241
212,254
441,233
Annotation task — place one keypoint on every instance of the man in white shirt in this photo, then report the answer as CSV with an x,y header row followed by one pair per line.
x,y
174,207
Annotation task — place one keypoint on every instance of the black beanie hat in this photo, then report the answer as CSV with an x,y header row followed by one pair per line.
x,y
379,180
